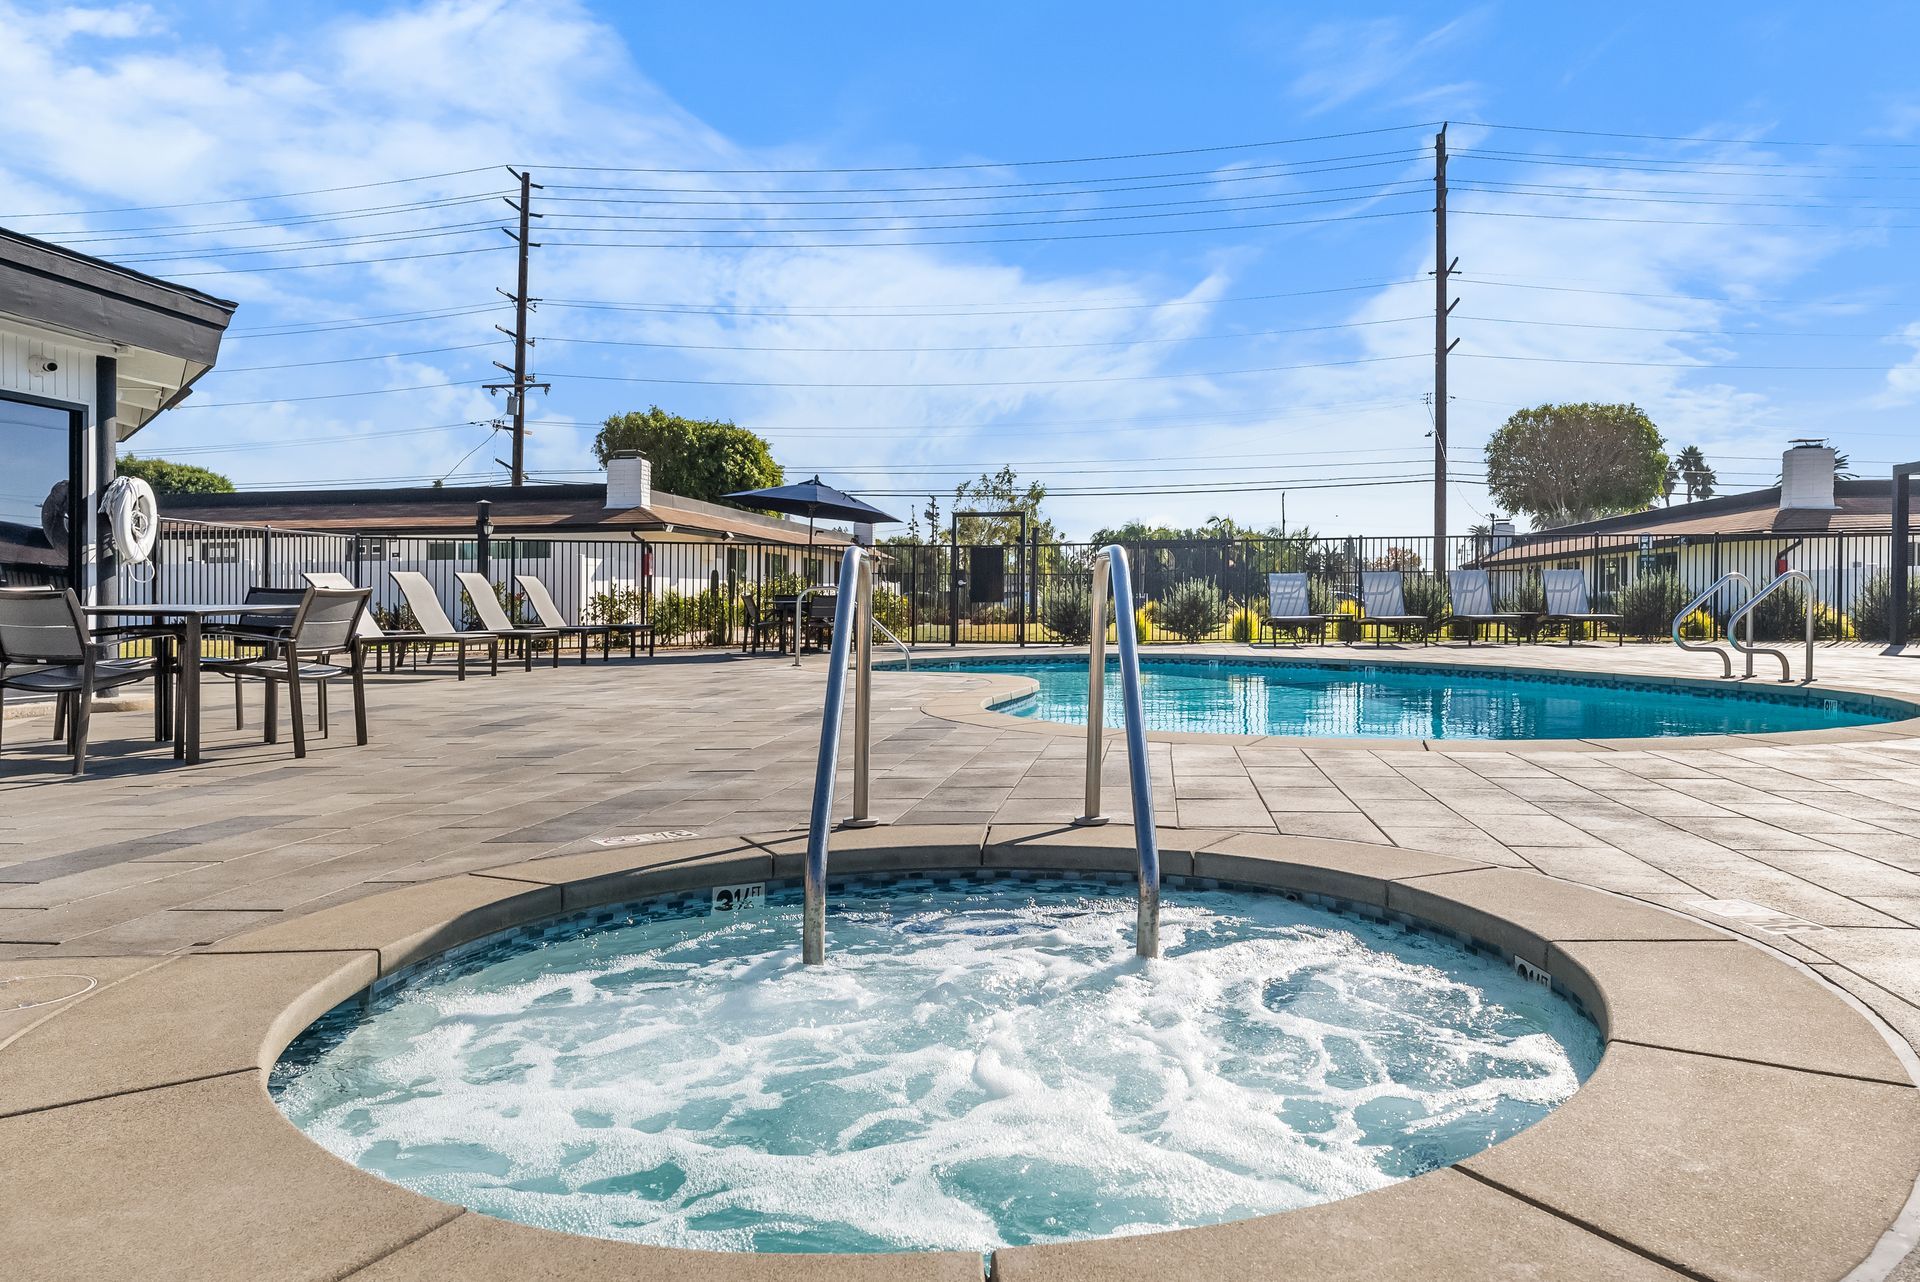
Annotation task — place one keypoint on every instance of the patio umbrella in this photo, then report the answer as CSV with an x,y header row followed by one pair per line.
x,y
813,499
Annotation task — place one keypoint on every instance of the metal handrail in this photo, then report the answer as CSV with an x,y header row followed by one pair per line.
x,y
1726,659
848,612
898,644
1750,649
1110,565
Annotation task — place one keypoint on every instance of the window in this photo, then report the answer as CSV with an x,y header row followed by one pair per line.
x,y
220,551
370,550
448,550
40,444
525,549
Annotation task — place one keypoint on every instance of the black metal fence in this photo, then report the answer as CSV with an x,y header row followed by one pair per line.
x,y
696,593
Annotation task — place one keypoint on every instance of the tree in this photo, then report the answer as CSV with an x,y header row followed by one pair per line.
x,y
1694,472
1566,463
174,478
1002,492
694,458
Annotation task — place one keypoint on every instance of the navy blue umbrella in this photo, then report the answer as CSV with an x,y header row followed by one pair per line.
x,y
813,499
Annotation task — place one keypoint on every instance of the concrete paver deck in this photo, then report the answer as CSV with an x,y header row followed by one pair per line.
x,y
1809,846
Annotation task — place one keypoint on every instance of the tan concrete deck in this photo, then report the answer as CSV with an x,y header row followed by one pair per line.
x,y
104,877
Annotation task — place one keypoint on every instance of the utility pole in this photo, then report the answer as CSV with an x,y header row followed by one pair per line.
x,y
517,390
1443,272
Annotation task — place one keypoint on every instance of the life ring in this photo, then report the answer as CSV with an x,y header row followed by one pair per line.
x,y
134,514
53,517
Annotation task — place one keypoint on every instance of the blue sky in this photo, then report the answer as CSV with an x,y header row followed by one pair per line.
x,y
1200,325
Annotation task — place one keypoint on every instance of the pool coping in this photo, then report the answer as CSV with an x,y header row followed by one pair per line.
x,y
1768,1130
975,706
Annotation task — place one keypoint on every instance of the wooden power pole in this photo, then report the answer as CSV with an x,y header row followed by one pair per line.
x,y
1443,272
517,389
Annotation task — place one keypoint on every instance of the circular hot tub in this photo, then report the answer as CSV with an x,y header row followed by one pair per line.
x,y
983,1063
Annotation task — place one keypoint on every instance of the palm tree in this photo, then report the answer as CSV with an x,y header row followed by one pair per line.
x,y
1695,473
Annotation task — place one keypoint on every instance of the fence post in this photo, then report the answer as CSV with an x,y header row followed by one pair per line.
x,y
266,556
483,539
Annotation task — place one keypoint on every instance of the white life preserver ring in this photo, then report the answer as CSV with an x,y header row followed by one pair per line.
x,y
134,514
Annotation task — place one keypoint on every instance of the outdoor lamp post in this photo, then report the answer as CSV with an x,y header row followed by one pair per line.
x,y
483,538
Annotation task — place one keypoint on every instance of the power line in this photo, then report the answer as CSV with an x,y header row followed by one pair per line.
x,y
1028,190
1021,382
249,200
328,396
981,240
1006,347
1681,138
295,328
170,231
1038,307
344,262
1213,149
350,360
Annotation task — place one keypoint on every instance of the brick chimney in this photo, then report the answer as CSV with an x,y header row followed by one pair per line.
x,y
629,481
1806,477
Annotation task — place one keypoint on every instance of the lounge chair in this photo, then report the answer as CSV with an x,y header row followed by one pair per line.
x,y
279,651
550,616
1566,593
384,647
1289,606
1471,592
46,647
486,608
1384,598
436,629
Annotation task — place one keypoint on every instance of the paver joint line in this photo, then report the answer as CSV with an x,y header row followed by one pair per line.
x,y
401,1245
131,1090
1757,1063
1586,1227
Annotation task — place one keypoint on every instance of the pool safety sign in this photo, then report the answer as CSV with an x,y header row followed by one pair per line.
x,y
646,838
744,897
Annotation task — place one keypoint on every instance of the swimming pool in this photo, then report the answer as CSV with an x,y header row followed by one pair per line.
x,y
983,1062
1419,701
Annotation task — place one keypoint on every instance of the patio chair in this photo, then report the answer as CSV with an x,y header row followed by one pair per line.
x,y
1566,593
386,648
551,616
1471,592
486,608
1383,597
46,647
1288,606
755,627
274,649
436,629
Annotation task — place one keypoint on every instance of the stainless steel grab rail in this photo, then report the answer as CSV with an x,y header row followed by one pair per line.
x,y
848,614
1746,612
1110,565
1726,659
898,644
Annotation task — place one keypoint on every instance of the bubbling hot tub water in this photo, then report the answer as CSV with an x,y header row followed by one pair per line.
x,y
982,1062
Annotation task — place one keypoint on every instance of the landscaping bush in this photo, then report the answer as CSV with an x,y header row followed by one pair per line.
x,y
1243,625
1191,610
1648,604
1872,609
1783,617
398,618
1068,616
1424,596
615,605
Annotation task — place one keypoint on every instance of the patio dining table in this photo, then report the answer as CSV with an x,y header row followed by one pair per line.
x,y
186,623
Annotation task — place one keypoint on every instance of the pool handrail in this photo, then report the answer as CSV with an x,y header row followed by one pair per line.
x,y
1110,565
1686,612
848,613
1750,649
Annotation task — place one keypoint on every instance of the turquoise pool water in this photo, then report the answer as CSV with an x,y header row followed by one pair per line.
x,y
1408,701
982,1062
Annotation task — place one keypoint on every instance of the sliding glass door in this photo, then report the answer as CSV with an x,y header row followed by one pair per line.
x,y
39,491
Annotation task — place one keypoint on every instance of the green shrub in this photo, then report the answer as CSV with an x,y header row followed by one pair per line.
x,y
1782,616
1647,605
397,618
1068,616
1243,625
615,605
1424,596
1191,610
1872,608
